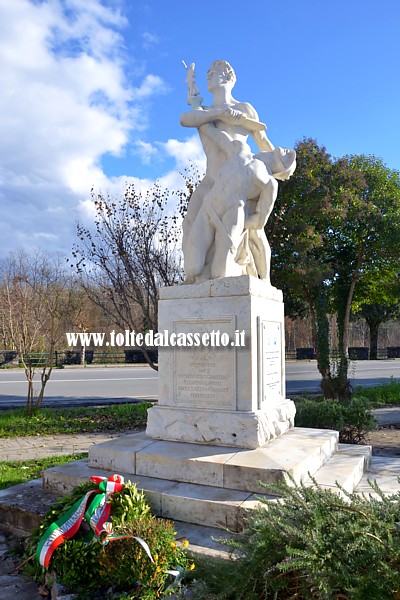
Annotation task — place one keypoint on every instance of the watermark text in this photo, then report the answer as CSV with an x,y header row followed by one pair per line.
x,y
133,339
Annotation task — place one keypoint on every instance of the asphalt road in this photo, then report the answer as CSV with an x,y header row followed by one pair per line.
x,y
303,376
83,386
104,385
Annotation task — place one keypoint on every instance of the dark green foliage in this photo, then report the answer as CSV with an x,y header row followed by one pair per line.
x,y
352,419
319,413
336,230
358,421
314,545
121,564
125,565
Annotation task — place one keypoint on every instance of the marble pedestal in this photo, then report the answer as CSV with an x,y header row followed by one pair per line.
x,y
222,424
228,395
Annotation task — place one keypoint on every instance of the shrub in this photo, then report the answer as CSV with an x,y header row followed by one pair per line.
x,y
352,419
358,421
121,564
316,545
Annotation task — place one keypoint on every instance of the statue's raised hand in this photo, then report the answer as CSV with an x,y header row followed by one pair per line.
x,y
231,115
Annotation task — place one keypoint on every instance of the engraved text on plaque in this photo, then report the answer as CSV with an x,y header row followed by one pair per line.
x,y
205,376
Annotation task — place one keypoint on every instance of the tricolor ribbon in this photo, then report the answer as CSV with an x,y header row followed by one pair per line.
x,y
96,513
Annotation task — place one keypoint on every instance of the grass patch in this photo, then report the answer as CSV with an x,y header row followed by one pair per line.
x,y
19,471
388,393
48,421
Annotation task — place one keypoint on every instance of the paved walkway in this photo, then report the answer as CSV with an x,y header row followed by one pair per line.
x,y
25,448
389,415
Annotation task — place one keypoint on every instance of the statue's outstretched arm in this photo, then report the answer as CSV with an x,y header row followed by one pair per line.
x,y
258,134
262,141
196,118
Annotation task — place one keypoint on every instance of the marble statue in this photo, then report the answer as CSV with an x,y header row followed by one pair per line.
x,y
223,230
194,99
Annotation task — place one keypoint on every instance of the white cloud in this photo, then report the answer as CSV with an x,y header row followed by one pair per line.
x,y
146,151
150,40
186,152
113,187
65,101
152,84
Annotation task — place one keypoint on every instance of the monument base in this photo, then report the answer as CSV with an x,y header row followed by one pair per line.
x,y
217,486
232,393
220,428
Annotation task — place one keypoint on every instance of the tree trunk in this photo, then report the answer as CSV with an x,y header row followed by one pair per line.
x,y
320,326
44,377
373,339
29,399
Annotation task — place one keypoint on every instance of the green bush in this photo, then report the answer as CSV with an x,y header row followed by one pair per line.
x,y
352,419
121,565
314,545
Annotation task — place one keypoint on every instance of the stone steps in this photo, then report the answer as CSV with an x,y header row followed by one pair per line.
x,y
206,505
216,486
296,454
210,505
22,506
346,467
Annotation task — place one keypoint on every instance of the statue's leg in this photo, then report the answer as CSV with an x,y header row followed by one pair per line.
x,y
198,242
193,209
227,240
261,252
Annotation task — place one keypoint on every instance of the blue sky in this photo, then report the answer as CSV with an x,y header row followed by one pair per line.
x,y
92,91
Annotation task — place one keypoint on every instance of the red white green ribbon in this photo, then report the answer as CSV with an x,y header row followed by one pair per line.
x,y
98,519
96,513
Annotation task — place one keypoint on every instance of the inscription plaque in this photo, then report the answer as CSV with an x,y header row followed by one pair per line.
x,y
205,377
270,348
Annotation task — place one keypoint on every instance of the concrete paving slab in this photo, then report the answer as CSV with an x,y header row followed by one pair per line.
x,y
25,448
203,505
14,585
385,470
119,453
23,506
389,415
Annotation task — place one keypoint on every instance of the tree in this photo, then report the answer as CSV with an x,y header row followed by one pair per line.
x,y
133,250
90,317
38,304
375,314
335,222
377,301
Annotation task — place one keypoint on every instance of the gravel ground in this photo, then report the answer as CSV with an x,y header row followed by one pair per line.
x,y
386,440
